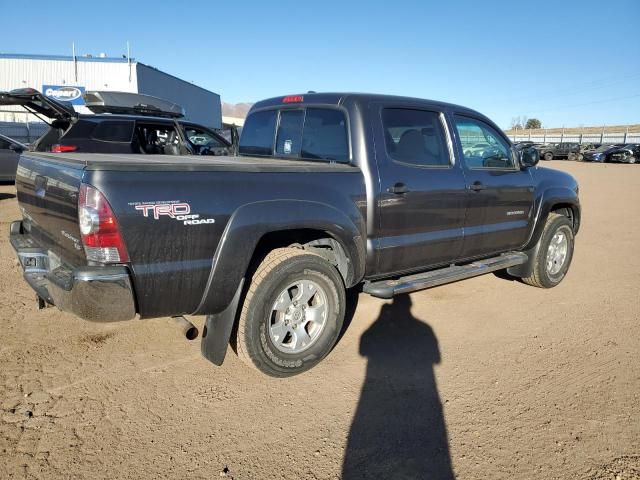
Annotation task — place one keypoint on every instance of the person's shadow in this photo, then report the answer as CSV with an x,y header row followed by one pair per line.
x,y
398,431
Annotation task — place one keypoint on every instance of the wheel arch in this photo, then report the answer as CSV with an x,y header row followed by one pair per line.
x,y
319,241
563,201
255,229
569,210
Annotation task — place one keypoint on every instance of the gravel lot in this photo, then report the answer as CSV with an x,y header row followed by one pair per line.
x,y
488,378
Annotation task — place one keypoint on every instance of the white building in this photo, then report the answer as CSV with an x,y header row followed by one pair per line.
x,y
66,78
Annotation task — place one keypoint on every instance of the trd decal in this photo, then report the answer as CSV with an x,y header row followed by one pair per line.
x,y
172,210
180,211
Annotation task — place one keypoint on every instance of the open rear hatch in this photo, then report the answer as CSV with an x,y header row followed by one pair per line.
x,y
35,102
56,114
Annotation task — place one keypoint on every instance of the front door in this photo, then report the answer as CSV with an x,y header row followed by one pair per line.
x,y
422,198
500,194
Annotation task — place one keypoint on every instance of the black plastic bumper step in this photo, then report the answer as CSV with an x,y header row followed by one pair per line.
x,y
433,278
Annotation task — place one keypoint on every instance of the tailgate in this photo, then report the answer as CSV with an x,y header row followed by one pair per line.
x,y
48,198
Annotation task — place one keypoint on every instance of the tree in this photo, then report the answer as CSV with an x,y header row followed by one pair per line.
x,y
533,123
517,123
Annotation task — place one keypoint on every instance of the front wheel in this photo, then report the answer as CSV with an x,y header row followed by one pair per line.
x,y
554,254
548,156
292,313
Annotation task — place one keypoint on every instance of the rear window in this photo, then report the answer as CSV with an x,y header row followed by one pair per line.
x,y
325,135
258,133
114,131
311,133
289,138
81,129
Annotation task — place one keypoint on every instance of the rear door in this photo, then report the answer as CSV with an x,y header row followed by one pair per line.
x,y
8,159
422,197
500,194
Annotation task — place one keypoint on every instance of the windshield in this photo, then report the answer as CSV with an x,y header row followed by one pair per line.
x,y
301,133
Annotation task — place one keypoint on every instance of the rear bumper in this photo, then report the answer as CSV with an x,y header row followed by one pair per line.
x,y
96,293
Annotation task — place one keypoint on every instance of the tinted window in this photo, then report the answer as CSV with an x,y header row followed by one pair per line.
x,y
258,132
156,139
289,140
201,138
415,137
313,133
81,129
4,144
482,146
325,135
112,131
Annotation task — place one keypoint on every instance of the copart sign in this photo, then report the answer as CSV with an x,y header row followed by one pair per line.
x,y
64,93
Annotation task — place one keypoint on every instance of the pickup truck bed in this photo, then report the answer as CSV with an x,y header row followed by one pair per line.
x,y
170,262
123,162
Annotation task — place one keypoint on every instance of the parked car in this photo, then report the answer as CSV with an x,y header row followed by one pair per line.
x,y
526,144
329,192
568,150
10,150
619,153
586,147
477,149
123,123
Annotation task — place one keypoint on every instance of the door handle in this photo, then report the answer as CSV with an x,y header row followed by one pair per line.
x,y
399,189
476,186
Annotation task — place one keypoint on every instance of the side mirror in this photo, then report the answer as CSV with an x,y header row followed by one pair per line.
x,y
529,157
16,148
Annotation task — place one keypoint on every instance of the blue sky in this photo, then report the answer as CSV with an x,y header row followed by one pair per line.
x,y
565,62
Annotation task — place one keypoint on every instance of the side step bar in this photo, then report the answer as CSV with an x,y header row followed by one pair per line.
x,y
433,278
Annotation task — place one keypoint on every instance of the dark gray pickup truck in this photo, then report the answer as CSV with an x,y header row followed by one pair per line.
x,y
329,192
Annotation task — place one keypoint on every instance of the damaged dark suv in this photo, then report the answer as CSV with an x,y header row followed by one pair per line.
x,y
122,123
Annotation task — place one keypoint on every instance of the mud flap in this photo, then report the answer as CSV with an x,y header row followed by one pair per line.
x,y
217,330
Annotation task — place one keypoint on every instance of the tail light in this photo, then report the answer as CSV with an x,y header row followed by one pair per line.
x,y
99,228
57,148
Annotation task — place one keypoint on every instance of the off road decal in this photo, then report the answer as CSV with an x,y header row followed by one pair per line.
x,y
175,209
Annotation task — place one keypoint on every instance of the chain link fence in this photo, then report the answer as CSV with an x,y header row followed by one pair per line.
x,y
603,138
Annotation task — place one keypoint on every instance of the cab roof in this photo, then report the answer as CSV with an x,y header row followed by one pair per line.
x,y
344,98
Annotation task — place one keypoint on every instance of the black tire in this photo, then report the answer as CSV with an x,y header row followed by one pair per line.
x,y
571,156
548,156
541,276
281,268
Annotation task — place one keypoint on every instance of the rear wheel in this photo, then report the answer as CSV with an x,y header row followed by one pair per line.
x,y
554,253
292,314
548,156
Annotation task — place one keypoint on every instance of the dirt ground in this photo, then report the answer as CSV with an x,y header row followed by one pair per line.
x,y
487,378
